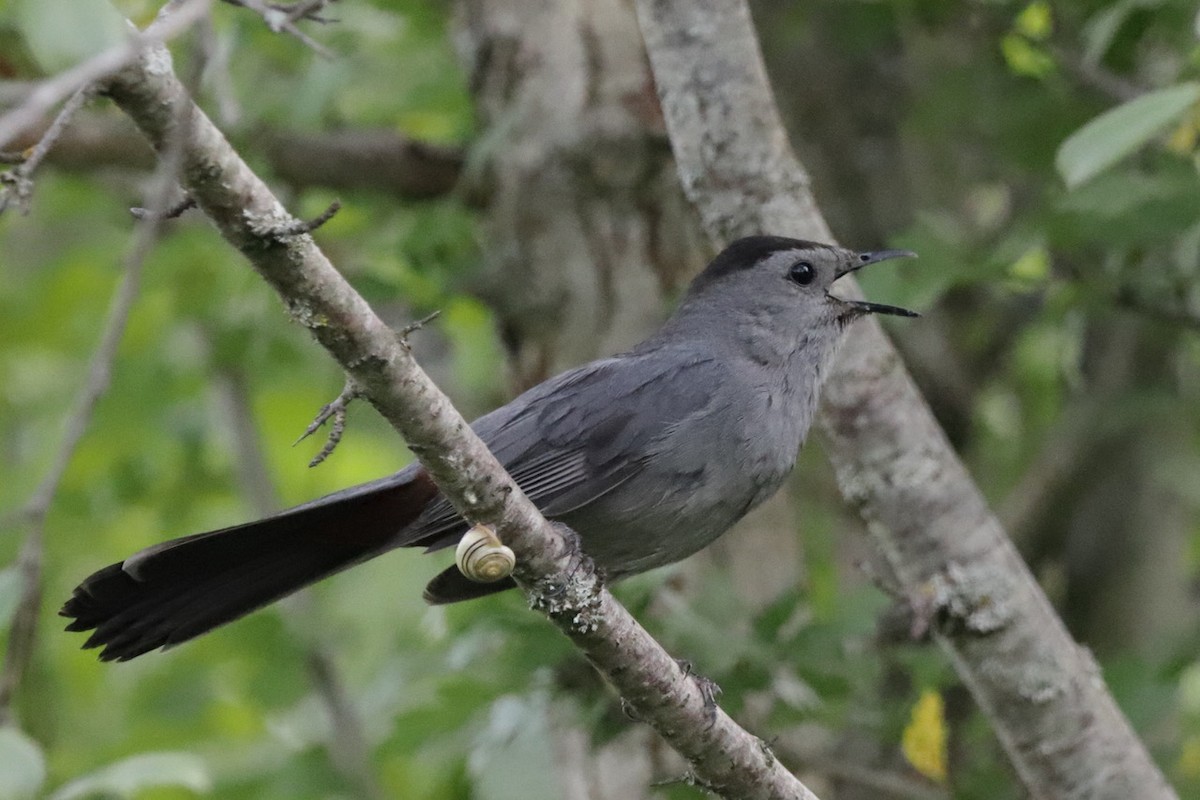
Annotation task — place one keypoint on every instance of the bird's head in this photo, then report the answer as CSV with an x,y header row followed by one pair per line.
x,y
791,277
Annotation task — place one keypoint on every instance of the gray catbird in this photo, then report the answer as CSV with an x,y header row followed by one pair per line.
x,y
649,455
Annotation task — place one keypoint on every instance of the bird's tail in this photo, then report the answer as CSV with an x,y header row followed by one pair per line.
x,y
177,590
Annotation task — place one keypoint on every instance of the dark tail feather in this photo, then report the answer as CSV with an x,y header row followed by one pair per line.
x,y
451,586
177,590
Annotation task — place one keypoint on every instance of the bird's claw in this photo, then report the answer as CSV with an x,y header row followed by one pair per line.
x,y
710,690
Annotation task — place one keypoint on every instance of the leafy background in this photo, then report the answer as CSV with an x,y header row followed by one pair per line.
x,y
1041,159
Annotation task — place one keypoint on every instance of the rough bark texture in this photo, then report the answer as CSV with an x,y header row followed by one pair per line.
x,y
1042,692
722,756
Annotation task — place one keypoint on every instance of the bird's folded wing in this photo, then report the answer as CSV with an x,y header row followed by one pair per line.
x,y
577,437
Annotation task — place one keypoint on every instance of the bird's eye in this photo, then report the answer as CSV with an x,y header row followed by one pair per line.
x,y
802,273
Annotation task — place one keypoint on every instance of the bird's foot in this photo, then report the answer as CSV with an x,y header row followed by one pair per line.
x,y
630,713
710,690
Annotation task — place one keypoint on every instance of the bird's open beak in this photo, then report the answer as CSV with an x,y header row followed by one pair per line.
x,y
865,307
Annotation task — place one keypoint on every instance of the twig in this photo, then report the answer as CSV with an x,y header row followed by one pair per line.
x,y
52,134
292,12
300,227
175,18
282,18
337,410
173,212
413,327
347,744
18,182
309,9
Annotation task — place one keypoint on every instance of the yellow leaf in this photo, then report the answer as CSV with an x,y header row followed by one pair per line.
x,y
1032,267
924,739
1182,140
1189,758
1035,21
1024,57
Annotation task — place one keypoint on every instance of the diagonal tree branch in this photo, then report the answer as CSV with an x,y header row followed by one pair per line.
x,y
1042,692
724,757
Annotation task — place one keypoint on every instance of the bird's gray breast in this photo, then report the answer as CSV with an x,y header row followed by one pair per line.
x,y
699,477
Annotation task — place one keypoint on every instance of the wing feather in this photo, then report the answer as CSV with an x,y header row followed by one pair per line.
x,y
577,437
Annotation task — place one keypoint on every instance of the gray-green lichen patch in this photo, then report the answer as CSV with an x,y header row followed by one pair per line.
x,y
974,598
577,599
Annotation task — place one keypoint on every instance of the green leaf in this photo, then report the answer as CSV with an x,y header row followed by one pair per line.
x,y
1033,267
61,33
127,777
1118,132
22,766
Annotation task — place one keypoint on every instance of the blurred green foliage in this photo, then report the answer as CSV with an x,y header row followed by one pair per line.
x,y
1029,279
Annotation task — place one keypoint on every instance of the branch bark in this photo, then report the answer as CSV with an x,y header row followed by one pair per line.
x,y
1042,692
724,757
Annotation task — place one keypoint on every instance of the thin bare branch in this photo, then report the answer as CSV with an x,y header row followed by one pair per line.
x,y
282,18
176,17
310,9
297,227
173,212
413,327
17,183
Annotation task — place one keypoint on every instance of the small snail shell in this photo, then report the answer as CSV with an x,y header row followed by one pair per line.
x,y
482,557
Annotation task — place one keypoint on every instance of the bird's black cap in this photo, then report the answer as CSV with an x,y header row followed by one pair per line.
x,y
746,252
